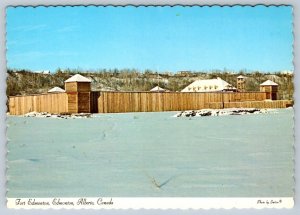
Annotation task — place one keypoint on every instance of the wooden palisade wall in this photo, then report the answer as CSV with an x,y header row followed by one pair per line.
x,y
121,102
51,103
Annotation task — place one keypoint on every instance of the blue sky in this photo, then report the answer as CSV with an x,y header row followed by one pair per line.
x,y
158,38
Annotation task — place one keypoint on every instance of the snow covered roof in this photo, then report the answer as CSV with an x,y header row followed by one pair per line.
x,y
269,83
208,85
78,78
158,89
288,72
56,90
43,71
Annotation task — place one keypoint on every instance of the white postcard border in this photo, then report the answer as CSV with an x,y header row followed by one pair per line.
x,y
4,210
149,203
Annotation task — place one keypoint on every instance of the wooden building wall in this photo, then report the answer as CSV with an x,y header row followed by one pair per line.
x,y
271,92
79,94
241,84
269,88
72,102
71,86
84,87
78,86
84,102
79,102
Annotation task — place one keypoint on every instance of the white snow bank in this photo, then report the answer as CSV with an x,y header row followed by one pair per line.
x,y
223,112
59,116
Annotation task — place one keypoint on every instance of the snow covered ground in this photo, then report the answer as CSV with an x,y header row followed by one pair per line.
x,y
151,154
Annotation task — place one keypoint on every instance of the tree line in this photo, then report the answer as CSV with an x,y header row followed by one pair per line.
x,y
24,82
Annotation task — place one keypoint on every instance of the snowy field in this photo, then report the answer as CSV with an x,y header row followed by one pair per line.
x,y
151,154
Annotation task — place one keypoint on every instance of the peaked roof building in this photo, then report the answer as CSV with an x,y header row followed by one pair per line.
x,y
209,85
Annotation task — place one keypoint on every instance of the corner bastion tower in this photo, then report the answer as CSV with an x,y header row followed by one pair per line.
x,y
78,89
241,83
270,88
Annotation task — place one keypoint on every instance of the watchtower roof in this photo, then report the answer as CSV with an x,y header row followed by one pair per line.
x,y
269,83
56,90
158,89
78,78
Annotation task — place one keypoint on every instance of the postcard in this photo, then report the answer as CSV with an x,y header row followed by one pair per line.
x,y
154,107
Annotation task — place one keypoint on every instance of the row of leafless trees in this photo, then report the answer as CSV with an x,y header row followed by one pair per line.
x,y
25,82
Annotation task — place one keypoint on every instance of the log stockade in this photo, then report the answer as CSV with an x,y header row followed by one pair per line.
x,y
51,103
122,102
